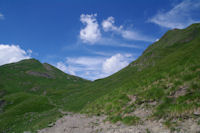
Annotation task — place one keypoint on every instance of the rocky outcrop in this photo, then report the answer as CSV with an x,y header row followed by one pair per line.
x,y
40,74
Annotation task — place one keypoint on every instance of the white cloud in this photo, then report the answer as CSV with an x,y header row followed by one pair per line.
x,y
157,39
29,51
79,64
1,16
109,25
130,46
115,63
91,33
70,70
86,67
95,67
180,16
61,66
86,61
101,53
118,43
133,35
12,53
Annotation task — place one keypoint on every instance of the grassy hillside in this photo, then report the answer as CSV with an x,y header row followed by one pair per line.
x,y
163,80
32,94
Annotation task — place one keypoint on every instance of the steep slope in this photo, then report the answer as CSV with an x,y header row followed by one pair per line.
x,y
164,81
32,94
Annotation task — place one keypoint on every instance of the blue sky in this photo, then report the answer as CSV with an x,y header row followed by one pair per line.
x,y
90,39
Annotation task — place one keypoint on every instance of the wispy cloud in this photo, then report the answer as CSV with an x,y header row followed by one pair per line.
x,y
1,16
95,67
88,63
109,26
118,43
180,16
134,35
60,65
12,53
102,53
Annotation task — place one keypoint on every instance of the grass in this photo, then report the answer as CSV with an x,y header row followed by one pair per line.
x,y
131,120
165,67
25,114
147,131
153,94
198,122
115,118
128,120
27,108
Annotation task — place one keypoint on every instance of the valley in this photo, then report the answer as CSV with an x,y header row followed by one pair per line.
x,y
158,92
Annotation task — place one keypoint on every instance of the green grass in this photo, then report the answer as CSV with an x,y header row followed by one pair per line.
x,y
198,122
164,68
115,118
24,111
131,120
31,102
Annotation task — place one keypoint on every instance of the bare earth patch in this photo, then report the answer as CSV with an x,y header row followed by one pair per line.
x,y
79,123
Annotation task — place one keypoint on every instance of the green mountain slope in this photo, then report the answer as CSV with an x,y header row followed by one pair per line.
x,y
32,94
164,80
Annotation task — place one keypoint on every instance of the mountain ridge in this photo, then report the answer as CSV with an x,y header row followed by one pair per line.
x,y
164,80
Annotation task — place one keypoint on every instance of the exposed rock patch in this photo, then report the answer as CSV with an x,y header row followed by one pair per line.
x,y
2,103
47,67
78,123
34,89
180,92
39,74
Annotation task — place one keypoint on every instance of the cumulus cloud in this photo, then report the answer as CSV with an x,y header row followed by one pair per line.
x,y
115,63
91,32
180,16
95,67
12,53
109,25
86,67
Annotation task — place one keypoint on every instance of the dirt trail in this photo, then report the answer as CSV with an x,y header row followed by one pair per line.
x,y
79,123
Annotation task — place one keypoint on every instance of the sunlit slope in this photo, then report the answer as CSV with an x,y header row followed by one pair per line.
x,y
164,79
